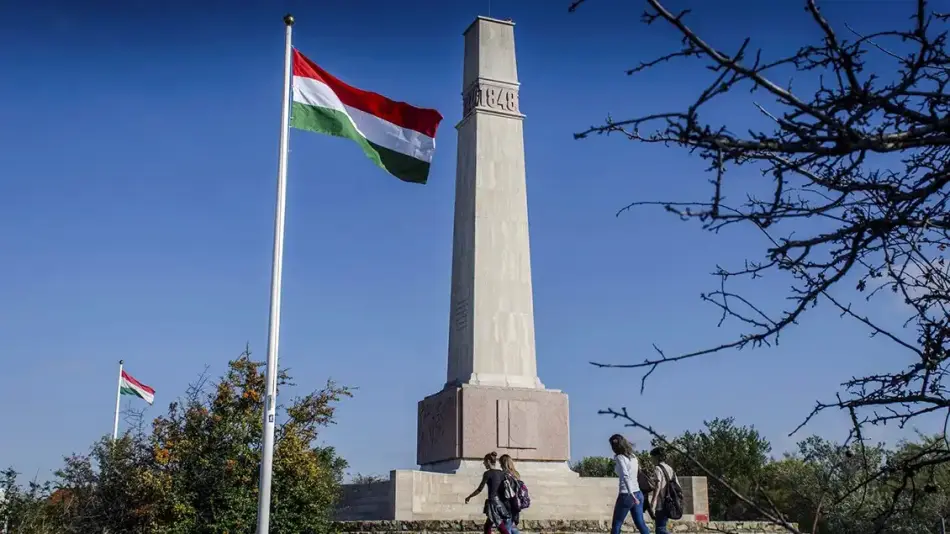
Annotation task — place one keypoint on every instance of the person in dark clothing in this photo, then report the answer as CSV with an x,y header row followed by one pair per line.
x,y
664,473
496,513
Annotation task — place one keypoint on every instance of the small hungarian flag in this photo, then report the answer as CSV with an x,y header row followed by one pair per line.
x,y
131,386
396,136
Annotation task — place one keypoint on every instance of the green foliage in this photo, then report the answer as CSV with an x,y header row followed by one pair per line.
x,y
197,471
737,453
824,486
23,509
594,466
857,489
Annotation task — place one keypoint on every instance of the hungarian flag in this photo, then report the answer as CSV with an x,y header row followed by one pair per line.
x,y
131,386
396,136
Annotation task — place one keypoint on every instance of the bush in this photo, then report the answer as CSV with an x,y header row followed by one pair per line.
x,y
197,471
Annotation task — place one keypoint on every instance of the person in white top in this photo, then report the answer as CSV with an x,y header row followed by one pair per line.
x,y
663,471
629,498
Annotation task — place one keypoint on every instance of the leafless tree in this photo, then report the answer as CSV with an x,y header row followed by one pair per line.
x,y
134,418
865,155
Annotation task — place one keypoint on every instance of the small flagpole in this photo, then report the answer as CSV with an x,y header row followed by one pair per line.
x,y
273,332
118,397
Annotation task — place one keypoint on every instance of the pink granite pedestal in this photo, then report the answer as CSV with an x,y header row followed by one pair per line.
x,y
464,423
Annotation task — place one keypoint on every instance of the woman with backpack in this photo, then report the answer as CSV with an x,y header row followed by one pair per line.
x,y
512,488
496,513
629,498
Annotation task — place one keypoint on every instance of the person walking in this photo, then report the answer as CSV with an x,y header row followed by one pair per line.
x,y
629,498
512,483
664,475
496,513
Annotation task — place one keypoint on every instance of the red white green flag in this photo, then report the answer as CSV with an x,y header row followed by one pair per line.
x,y
131,386
396,136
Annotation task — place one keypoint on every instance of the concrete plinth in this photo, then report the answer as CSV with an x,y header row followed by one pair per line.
x,y
466,422
420,495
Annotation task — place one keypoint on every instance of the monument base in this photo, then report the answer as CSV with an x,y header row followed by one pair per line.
x,y
463,423
411,495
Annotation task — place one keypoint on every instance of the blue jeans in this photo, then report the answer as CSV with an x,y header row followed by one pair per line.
x,y
511,527
625,505
661,520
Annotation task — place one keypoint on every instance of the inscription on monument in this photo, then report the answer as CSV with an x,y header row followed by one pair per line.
x,y
461,314
437,423
490,96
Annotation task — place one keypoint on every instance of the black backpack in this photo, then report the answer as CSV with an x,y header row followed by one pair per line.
x,y
672,496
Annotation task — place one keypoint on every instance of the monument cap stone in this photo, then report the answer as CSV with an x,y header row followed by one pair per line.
x,y
489,51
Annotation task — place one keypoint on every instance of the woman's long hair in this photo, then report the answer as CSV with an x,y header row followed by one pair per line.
x,y
508,466
621,446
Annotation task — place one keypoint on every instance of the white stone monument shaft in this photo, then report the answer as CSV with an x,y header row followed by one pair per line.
x,y
491,331
492,399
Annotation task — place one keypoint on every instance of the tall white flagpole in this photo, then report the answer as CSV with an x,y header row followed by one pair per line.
x,y
118,397
273,333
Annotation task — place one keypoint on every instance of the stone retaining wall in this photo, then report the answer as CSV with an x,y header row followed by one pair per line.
x,y
545,527
411,495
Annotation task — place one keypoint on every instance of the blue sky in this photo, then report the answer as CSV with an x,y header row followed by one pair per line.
x,y
136,210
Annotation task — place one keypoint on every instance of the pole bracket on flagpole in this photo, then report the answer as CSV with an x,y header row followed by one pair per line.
x,y
289,19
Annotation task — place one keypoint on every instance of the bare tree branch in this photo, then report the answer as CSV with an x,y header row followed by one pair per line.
x,y
852,205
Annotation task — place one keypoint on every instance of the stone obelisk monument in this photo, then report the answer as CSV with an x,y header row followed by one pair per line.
x,y
492,399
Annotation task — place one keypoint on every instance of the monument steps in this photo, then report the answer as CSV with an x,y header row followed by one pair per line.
x,y
416,495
